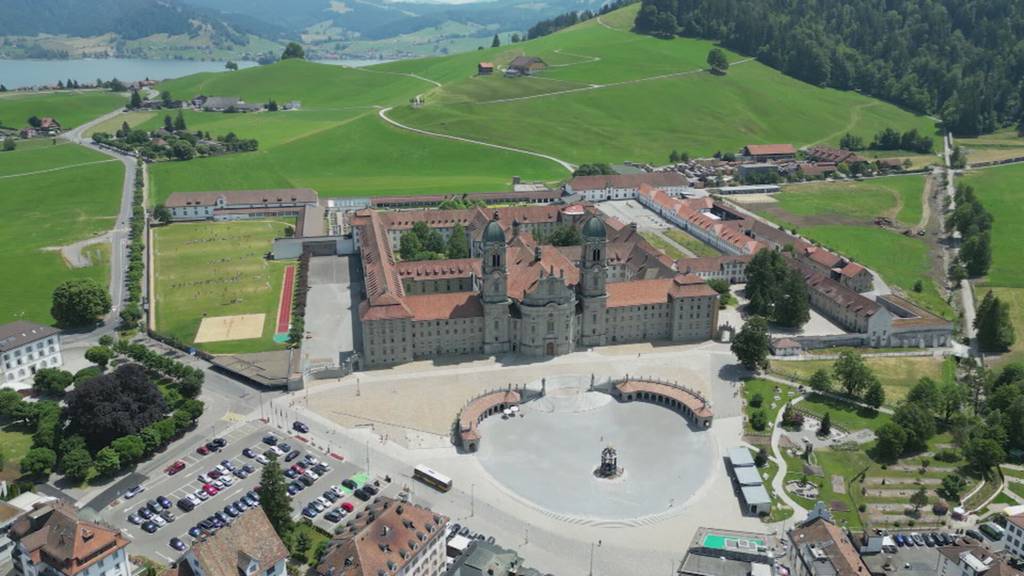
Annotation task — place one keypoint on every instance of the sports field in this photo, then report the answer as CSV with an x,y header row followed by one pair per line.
x,y
1000,192
897,197
628,96
70,108
216,271
75,200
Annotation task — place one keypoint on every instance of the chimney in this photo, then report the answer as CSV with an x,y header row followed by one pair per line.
x,y
515,228
536,253
516,180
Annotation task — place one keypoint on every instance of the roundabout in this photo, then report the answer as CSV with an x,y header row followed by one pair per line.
x,y
546,453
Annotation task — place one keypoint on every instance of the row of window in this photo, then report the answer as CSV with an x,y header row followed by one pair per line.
x,y
28,348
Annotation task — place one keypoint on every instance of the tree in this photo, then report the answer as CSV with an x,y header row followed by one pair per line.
x,y
293,50
851,371
951,398
917,422
161,213
179,122
718,61
793,309
107,461
231,65
775,290
761,458
874,396
136,100
751,345
993,323
274,498
758,420
113,405
51,380
515,38
168,123
302,543
165,98
272,106
566,235
496,42
821,380
9,401
952,486
409,246
35,121
193,407
673,157
79,302
851,142
86,374
458,245
919,499
38,462
826,425
9,144
983,454
892,440
128,449
182,150
925,393
99,355
77,463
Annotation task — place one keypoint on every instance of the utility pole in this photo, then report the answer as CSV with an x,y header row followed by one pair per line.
x,y
472,500
591,573
368,457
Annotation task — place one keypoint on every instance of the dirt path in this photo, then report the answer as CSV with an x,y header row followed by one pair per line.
x,y
855,115
57,169
74,255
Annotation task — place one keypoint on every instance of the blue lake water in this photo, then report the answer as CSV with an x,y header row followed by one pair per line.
x,y
22,73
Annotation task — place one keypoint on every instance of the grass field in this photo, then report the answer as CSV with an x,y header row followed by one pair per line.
x,y
897,374
1000,145
843,414
14,444
771,407
69,108
629,115
692,244
1000,193
217,269
660,243
897,197
50,210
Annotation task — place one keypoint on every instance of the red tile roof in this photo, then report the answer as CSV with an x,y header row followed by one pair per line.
x,y
770,149
470,416
65,542
695,403
250,538
600,182
833,544
439,269
444,306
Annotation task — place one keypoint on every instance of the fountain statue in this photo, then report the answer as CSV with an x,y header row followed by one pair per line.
x,y
609,467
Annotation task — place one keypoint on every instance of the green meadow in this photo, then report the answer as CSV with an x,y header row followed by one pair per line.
x,y
70,108
217,269
49,210
897,197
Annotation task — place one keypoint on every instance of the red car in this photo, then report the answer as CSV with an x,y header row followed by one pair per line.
x,y
175,468
203,450
347,506
210,489
298,468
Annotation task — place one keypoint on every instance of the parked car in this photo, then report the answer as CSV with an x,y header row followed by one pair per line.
x,y
261,459
158,520
317,505
253,494
167,515
210,489
309,512
145,513
291,456
349,483
241,473
134,519
150,527
203,450
249,453
154,506
270,440
164,502
133,492
195,531
226,480
285,447
211,447
361,494
219,442
173,469
248,469
306,480
347,506
186,505
370,489
333,516
201,495
918,539
974,534
241,505
300,427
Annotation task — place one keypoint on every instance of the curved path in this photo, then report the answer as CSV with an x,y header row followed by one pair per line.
x,y
383,113
799,512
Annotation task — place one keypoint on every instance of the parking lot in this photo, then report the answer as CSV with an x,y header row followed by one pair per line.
x,y
178,486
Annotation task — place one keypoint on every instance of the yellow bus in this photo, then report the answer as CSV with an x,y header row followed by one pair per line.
x,y
432,478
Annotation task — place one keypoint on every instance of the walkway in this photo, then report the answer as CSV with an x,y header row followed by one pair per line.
x,y
58,168
383,113
778,482
780,380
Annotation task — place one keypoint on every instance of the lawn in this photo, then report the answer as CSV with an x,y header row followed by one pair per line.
x,y
897,197
690,243
897,374
901,260
217,269
43,154
14,444
114,124
848,416
70,108
693,110
313,534
770,406
660,243
999,145
50,210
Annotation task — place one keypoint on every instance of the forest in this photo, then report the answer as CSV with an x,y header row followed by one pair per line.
x,y
960,60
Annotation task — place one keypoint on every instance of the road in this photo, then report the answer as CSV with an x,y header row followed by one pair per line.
x,y
966,290
119,236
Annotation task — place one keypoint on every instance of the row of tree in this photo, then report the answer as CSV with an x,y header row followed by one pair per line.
x,y
957,59
974,223
993,324
889,139
131,312
853,377
174,141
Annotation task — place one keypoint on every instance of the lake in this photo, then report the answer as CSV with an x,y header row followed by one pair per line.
x,y
22,73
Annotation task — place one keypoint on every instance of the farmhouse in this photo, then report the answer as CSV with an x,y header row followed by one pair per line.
x,y
239,204
767,152
833,155
485,68
49,125
524,66
217,103
520,295
626,186
27,347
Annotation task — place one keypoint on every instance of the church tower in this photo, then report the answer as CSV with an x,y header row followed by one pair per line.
x,y
593,278
494,289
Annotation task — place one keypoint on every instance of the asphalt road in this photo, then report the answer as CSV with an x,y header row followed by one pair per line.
x,y
244,435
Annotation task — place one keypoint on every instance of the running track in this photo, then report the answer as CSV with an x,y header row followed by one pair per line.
x,y
284,306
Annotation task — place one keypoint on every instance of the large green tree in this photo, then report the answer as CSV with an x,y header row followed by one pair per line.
x,y
274,498
77,463
892,440
852,372
717,60
108,461
51,380
917,422
293,50
994,326
38,462
752,343
113,405
79,302
458,244
776,290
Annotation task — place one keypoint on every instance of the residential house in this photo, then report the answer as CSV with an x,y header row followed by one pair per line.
x,y
768,152
972,561
481,558
524,66
820,548
248,546
485,68
52,540
49,126
25,347
218,103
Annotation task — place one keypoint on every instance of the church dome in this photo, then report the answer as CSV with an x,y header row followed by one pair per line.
x,y
493,232
594,228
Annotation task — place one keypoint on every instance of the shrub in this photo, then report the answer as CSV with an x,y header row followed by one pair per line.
x,y
757,400
758,420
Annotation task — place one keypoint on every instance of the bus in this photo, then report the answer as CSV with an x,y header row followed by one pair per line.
x,y
432,478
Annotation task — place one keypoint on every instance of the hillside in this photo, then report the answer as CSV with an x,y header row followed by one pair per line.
x,y
612,95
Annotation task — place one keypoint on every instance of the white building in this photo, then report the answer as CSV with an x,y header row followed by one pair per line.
x,y
52,540
972,561
26,347
239,204
1015,535
10,511
246,547
626,186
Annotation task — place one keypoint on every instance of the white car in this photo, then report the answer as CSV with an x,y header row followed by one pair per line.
x,y
312,475
278,450
134,491
201,495
261,459
226,480
324,501
223,471
218,483
158,520
193,499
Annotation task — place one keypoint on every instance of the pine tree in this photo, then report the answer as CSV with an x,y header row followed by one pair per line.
x,y
168,123
993,323
274,498
179,122
136,101
826,425
496,42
